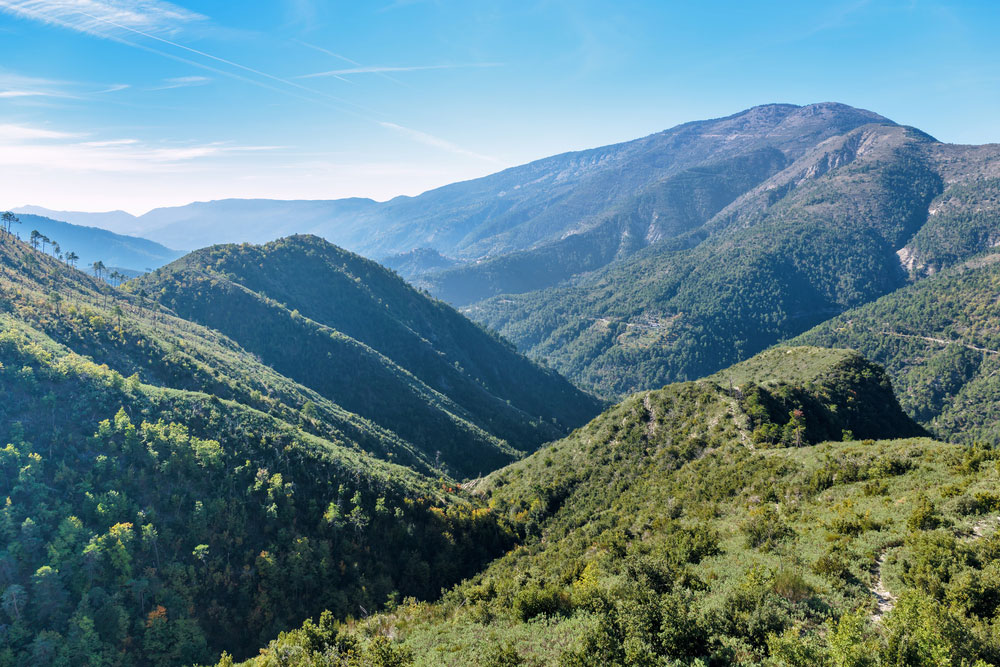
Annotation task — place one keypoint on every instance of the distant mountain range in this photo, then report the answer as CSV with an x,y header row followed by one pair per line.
x,y
665,258
857,215
134,255
516,209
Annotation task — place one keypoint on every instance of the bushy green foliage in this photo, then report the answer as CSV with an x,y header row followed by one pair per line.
x,y
657,535
193,544
965,222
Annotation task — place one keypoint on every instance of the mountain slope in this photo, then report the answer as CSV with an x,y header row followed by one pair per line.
x,y
658,534
92,244
169,497
938,340
375,346
808,243
664,209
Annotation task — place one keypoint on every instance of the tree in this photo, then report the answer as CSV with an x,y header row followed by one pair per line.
x,y
71,258
99,268
35,237
13,600
795,428
8,220
55,298
150,538
201,552
84,642
49,595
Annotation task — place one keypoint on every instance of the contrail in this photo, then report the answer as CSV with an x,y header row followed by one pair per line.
x,y
380,69
225,61
348,60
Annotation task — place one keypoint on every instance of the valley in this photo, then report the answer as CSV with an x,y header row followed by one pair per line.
x,y
726,394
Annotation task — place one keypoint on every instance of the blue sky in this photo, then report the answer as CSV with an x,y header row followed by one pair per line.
x,y
133,104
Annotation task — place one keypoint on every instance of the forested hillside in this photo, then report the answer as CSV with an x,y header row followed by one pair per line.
x,y
939,341
714,522
169,496
358,335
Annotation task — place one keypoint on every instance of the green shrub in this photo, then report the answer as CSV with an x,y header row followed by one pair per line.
x,y
764,528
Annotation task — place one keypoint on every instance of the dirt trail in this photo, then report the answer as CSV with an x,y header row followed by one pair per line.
x,y
884,599
981,527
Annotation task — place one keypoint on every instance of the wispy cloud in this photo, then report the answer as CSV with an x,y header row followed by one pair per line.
x,y
59,12
12,132
151,19
22,93
14,86
183,82
383,69
437,142
30,146
112,89
339,57
104,17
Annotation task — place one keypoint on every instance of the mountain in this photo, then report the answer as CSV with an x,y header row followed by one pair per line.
x,y
250,436
857,216
93,244
169,495
672,256
358,335
664,532
938,340
115,221
534,204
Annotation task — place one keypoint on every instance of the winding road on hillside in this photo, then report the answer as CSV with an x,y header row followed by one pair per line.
x,y
940,341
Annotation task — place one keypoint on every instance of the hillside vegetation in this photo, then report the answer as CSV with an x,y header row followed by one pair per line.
x,y
939,341
168,496
285,455
673,529
356,334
